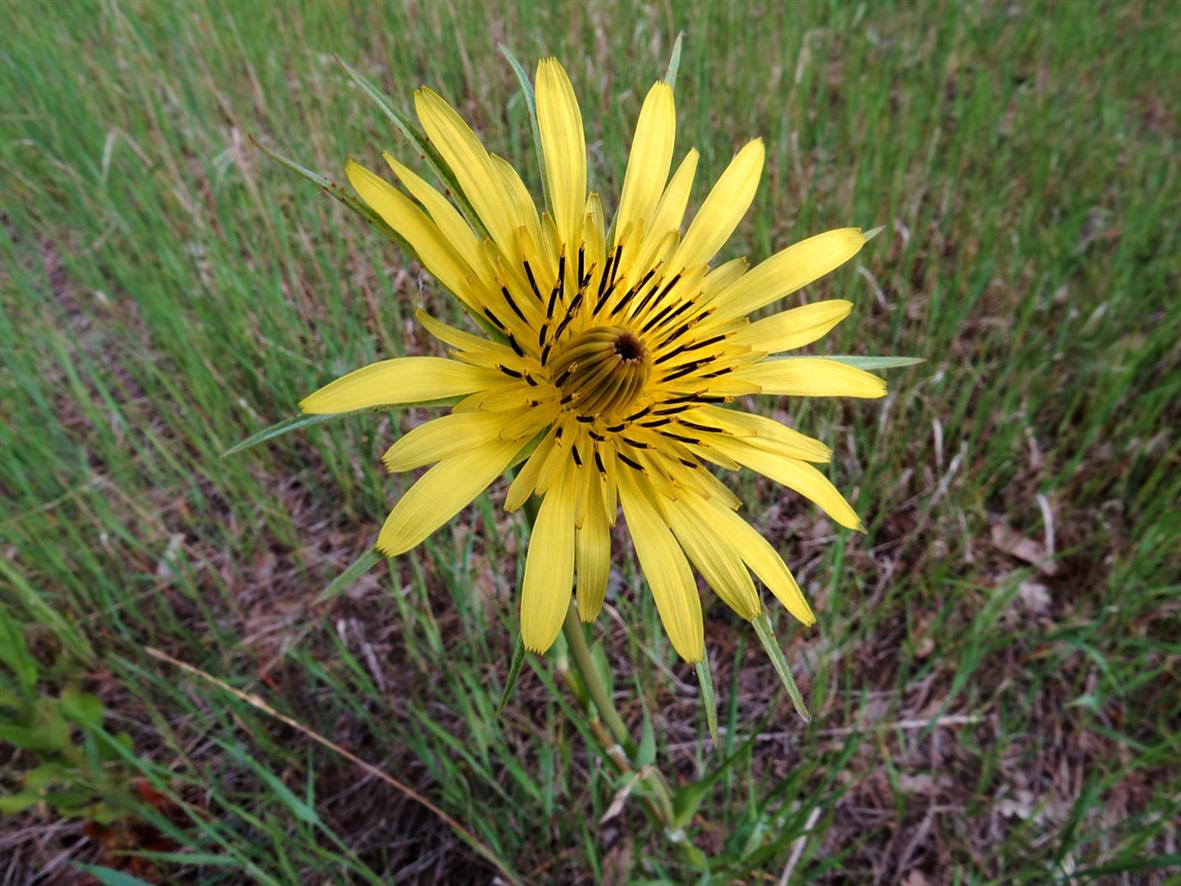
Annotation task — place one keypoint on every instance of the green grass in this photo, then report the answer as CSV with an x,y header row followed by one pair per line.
x,y
167,291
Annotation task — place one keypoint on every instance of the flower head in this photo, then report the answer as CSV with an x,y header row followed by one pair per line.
x,y
613,358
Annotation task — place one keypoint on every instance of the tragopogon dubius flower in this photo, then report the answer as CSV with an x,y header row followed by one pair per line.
x,y
614,357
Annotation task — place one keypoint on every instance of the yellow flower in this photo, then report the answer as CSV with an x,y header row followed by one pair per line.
x,y
613,352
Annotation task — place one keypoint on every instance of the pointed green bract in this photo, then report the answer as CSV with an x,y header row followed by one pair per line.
x,y
708,700
531,105
303,421
875,362
349,199
279,429
766,636
514,672
674,62
419,142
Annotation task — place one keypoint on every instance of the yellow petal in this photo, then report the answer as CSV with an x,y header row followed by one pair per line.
x,y
670,212
524,209
722,276
441,493
762,559
765,432
650,159
665,569
398,382
795,328
564,147
442,438
525,483
716,560
723,209
793,474
452,225
592,552
470,163
549,566
811,377
423,235
789,270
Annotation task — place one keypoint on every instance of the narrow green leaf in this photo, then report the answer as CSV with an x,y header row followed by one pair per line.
x,y
205,859
419,142
674,63
514,672
766,636
82,707
706,681
284,794
14,804
876,362
14,653
355,570
109,876
688,799
646,752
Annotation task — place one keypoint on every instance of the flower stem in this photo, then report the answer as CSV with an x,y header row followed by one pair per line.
x,y
591,679
622,753
659,799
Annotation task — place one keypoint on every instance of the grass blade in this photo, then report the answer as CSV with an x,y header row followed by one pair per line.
x,y
356,569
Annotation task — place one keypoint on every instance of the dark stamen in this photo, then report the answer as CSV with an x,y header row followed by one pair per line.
x,y
495,322
615,269
532,281
705,343
607,271
627,461
512,304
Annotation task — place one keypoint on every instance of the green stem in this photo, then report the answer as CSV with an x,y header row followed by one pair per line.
x,y
583,663
660,797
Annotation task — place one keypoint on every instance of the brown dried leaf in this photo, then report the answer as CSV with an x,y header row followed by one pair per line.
x,y
1016,545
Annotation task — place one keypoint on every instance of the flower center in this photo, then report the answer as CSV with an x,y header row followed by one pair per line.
x,y
601,370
